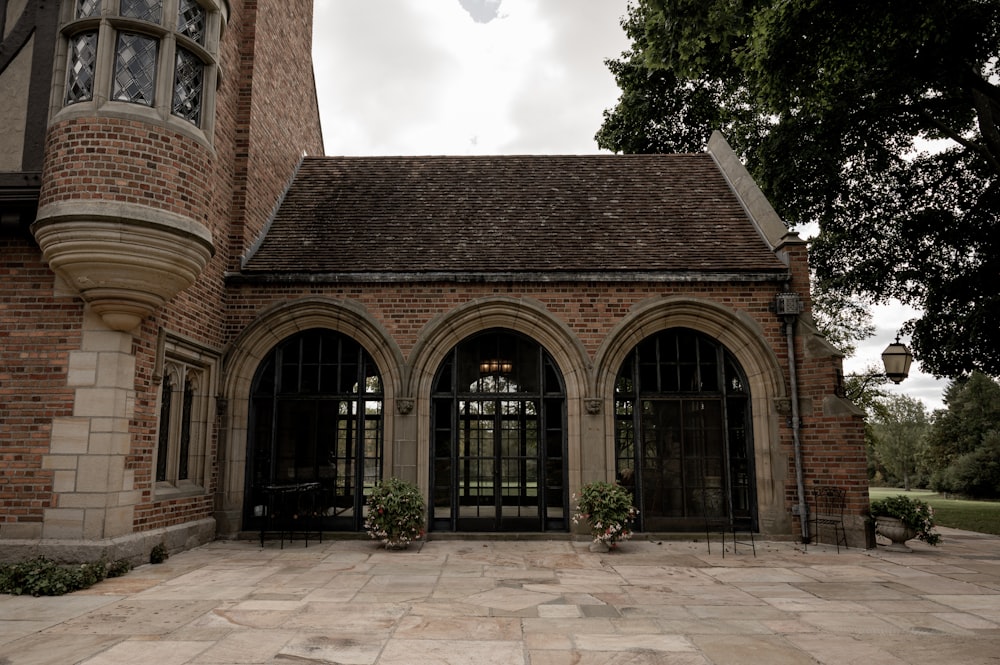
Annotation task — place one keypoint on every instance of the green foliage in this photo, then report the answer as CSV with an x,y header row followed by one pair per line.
x,y
43,577
914,513
975,474
159,553
843,320
832,105
900,437
980,516
963,448
395,513
608,511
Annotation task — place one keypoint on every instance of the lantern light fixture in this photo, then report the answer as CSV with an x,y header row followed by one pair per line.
x,y
897,359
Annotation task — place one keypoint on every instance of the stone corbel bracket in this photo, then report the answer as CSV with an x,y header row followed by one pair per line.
x,y
125,260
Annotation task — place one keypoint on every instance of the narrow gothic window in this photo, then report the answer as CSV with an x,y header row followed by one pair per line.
x,y
163,440
185,418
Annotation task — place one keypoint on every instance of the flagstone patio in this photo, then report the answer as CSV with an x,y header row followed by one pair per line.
x,y
526,602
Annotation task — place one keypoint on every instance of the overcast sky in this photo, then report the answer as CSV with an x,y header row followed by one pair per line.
x,y
482,77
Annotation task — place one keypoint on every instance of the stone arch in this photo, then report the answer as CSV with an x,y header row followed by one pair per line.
x,y
744,337
523,315
245,354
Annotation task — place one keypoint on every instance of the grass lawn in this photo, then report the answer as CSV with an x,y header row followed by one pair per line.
x,y
981,516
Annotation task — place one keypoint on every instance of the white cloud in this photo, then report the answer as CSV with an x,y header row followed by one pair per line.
x,y
420,77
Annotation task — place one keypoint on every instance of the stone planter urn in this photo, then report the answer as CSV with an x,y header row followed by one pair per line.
x,y
894,529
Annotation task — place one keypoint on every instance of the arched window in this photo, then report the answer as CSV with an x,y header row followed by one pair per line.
x,y
316,416
682,436
499,437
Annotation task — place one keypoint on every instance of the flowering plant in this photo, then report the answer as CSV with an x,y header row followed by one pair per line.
x,y
915,514
395,513
607,508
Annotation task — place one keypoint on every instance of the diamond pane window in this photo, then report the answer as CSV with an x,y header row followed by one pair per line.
x,y
82,58
191,20
88,8
135,69
144,10
189,78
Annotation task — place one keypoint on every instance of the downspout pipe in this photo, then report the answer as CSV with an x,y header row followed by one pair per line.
x,y
789,307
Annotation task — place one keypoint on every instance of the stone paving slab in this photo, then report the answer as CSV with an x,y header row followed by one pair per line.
x,y
537,602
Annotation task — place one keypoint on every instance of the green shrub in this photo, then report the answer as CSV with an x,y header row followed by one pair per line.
x,y
395,513
159,554
608,511
913,513
43,577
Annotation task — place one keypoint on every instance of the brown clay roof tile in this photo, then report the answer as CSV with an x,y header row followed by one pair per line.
x,y
504,214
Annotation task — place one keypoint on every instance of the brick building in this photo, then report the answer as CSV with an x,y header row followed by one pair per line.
x,y
196,305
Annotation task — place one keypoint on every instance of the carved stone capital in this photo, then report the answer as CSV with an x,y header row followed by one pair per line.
x,y
592,405
404,406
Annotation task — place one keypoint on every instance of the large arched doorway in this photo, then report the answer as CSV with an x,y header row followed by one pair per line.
x,y
682,432
498,433
316,416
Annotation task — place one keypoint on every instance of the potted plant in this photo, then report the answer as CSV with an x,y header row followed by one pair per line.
x,y
395,513
900,518
608,511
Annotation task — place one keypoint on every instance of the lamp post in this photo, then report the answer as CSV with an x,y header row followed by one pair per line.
x,y
897,359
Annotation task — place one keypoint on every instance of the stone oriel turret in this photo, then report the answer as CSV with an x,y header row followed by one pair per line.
x,y
127,160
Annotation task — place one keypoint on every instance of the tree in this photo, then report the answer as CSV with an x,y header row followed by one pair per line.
x,y
842,320
900,430
964,442
831,104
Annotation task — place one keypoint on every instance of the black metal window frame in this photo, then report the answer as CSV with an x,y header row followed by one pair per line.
x,y
498,457
317,415
681,375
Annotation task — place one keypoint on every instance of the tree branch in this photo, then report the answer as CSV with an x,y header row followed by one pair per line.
x,y
992,159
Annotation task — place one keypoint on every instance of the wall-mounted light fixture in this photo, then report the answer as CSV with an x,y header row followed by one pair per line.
x,y
897,359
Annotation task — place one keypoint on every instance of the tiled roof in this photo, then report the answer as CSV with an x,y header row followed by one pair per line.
x,y
511,214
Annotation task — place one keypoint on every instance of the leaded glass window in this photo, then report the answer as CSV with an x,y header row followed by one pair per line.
x,y
135,69
144,10
189,77
88,8
163,441
82,60
161,54
191,20
185,449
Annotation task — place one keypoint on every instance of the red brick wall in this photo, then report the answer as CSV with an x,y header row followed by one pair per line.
x,y
277,112
37,331
266,116
832,445
112,159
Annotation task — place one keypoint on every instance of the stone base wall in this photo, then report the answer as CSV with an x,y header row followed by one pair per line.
x,y
134,547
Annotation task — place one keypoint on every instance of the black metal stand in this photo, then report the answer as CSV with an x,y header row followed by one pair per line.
x,y
292,508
